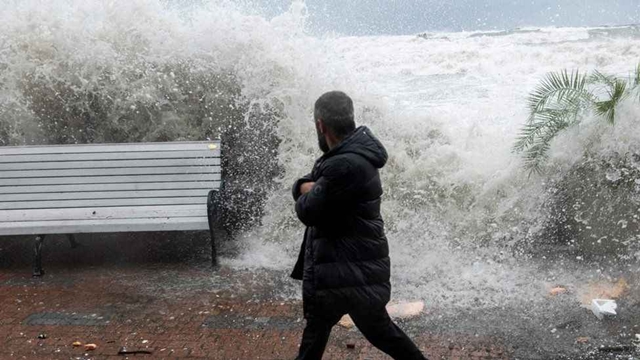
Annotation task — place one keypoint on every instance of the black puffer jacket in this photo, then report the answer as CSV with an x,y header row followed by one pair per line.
x,y
344,260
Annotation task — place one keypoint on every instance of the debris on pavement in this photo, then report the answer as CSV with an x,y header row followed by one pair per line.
x,y
351,346
582,340
603,307
124,351
346,322
405,310
42,336
76,343
401,311
557,291
616,348
604,290
90,347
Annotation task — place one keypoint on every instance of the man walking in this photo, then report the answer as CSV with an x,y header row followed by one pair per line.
x,y
344,260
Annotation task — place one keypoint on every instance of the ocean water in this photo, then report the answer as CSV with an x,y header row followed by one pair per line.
x,y
447,106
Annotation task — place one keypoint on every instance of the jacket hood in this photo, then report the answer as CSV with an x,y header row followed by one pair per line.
x,y
363,143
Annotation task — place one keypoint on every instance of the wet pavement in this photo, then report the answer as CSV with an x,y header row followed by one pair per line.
x,y
161,296
110,308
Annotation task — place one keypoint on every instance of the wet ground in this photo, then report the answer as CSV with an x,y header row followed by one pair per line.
x,y
158,293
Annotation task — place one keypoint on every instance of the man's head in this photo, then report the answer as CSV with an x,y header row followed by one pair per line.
x,y
333,113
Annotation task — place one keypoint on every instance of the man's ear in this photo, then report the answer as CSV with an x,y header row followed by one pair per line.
x,y
321,128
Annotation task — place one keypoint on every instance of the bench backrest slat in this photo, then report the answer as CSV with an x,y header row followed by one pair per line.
x,y
106,156
40,189
108,164
106,148
130,171
79,195
98,203
110,179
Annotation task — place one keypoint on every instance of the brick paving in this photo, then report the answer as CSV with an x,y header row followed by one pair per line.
x,y
174,310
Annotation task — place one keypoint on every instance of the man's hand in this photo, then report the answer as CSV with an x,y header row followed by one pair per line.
x,y
306,187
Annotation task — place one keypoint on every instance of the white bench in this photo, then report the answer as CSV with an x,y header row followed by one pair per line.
x,y
107,188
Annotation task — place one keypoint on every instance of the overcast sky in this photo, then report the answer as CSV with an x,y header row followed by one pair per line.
x,y
375,17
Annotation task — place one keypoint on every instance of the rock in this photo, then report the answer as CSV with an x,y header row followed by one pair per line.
x,y
346,322
400,311
582,340
617,290
405,310
557,291
604,290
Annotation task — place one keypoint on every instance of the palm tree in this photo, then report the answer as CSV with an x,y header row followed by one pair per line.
x,y
564,99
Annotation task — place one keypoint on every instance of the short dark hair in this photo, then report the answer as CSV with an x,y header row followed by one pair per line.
x,y
335,108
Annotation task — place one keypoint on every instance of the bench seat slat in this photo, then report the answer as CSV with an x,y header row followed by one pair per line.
x,y
209,161
104,195
43,189
93,213
99,148
98,156
69,204
109,172
109,179
103,226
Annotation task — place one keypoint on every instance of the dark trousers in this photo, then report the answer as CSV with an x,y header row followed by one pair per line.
x,y
376,326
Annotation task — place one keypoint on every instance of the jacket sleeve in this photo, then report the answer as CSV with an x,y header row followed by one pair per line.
x,y
325,199
298,183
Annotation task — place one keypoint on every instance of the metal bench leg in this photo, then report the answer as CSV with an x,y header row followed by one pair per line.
x,y
213,202
72,241
37,269
214,252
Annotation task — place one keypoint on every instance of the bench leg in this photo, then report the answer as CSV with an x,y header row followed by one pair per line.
x,y
72,241
37,268
214,252
213,202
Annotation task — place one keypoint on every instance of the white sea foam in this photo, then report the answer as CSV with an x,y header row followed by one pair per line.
x,y
448,107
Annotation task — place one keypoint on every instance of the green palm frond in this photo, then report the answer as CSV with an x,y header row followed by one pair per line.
x,y
563,99
636,81
554,105
535,157
544,122
607,108
535,138
559,89
599,78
